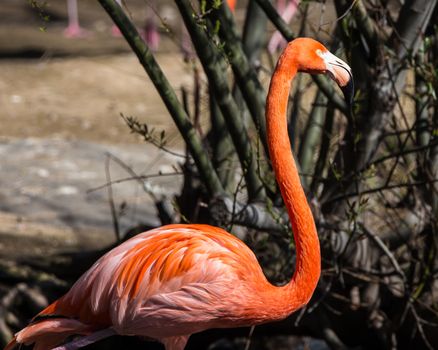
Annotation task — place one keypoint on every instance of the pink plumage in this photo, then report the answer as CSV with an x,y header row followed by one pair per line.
x,y
173,281
175,275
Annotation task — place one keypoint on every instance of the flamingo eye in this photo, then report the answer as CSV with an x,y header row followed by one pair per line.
x,y
318,52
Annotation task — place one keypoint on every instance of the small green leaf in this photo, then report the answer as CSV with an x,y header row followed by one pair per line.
x,y
217,26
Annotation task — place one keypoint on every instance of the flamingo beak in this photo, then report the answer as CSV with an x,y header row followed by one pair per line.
x,y
340,72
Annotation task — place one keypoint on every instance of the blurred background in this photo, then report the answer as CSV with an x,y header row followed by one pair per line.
x,y
90,155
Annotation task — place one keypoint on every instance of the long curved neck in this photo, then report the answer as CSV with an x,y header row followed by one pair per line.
x,y
308,259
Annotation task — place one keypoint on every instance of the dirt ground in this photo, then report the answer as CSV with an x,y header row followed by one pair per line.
x,y
61,100
83,97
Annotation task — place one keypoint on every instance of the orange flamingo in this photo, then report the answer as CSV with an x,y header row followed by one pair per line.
x,y
176,280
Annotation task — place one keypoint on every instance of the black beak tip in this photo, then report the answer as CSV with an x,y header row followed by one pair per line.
x,y
348,91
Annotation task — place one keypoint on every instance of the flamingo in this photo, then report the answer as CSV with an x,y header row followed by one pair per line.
x,y
176,280
149,32
74,30
277,42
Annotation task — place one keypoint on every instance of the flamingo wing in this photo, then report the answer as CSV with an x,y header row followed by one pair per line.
x,y
169,281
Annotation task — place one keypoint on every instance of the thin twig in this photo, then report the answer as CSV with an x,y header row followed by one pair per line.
x,y
376,239
248,339
341,16
233,213
136,178
133,174
111,199
402,152
419,322
142,130
185,127
381,188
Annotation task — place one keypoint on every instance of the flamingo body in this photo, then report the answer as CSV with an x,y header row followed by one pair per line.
x,y
175,275
173,281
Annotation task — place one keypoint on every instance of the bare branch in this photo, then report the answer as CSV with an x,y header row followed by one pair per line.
x,y
212,62
260,217
246,77
176,110
385,187
111,200
376,239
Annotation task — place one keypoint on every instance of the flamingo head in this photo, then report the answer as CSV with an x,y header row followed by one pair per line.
x,y
313,57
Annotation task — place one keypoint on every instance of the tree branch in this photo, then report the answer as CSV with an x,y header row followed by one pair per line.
x,y
223,154
364,133
254,32
246,77
312,136
322,84
176,110
257,216
367,27
211,61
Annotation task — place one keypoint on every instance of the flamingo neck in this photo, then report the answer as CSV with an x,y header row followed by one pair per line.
x,y
308,259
